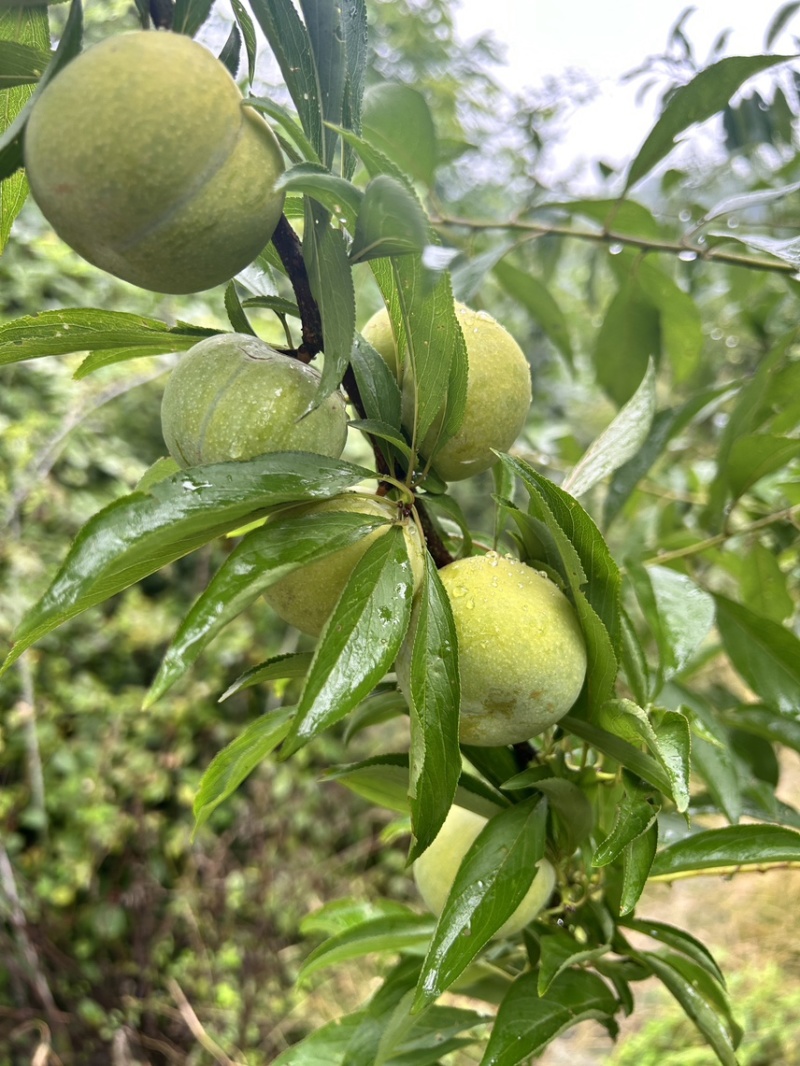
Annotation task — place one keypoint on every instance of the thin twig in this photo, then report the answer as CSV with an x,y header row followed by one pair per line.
x,y
659,558
196,1029
683,249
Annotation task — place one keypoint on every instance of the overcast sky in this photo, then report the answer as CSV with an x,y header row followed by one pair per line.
x,y
545,37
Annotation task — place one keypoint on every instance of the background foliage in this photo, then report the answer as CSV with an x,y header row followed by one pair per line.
x,y
118,923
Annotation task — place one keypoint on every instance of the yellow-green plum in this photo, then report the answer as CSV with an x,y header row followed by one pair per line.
x,y
498,393
306,597
233,396
436,868
521,651
143,158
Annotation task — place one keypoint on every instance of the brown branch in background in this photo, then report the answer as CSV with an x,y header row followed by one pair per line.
x,y
195,1027
162,13
441,556
288,246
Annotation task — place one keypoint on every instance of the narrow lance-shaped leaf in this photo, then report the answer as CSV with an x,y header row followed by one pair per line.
x,y
237,761
636,812
637,861
289,40
90,329
398,121
727,849
527,1023
390,222
492,880
68,47
395,932
559,951
540,303
262,557
360,640
27,30
331,279
696,1006
619,441
248,32
765,653
354,25
140,533
707,93
279,667
429,674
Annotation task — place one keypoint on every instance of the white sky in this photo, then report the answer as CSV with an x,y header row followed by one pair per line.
x,y
545,37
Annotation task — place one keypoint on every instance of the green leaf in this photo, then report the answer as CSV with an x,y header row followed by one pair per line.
x,y
755,456
678,940
766,723
727,849
695,1004
279,667
712,758
89,329
680,324
540,304
635,815
397,120
236,313
231,50
666,424
637,862
138,534
431,680
354,26
331,279
262,557
616,216
707,93
291,127
743,419
570,808
678,613
248,32
376,383
620,750
573,547
68,47
431,348
345,913
765,653
527,1023
20,64
237,761
382,780
360,640
324,24
341,198
326,1046
27,30
290,42
396,932
629,338
491,882
762,583
190,15
390,222
619,441
559,952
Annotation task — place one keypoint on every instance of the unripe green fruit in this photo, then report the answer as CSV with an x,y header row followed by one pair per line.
x,y
498,393
143,158
436,868
521,652
306,597
234,397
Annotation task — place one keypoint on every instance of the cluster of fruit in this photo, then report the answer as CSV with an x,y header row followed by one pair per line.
x,y
170,184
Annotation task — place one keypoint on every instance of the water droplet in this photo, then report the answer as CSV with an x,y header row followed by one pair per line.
x,y
687,256
615,248
731,342
732,222
685,215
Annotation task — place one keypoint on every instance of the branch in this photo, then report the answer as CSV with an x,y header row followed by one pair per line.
x,y
288,246
684,249
195,1027
788,514
441,556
